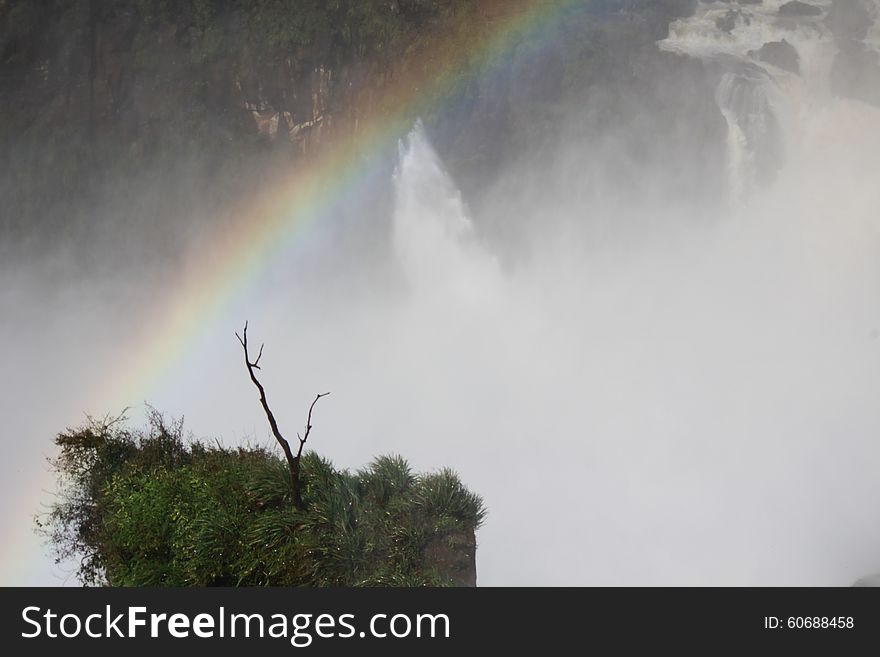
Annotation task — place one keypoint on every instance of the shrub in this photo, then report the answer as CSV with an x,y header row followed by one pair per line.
x,y
149,507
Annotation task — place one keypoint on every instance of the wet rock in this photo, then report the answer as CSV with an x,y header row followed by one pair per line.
x,y
856,72
870,580
850,19
797,9
728,22
453,557
779,53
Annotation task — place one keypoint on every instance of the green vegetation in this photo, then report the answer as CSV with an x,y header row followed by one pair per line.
x,y
138,508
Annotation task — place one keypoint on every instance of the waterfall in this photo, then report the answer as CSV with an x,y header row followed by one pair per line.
x,y
433,237
775,68
744,101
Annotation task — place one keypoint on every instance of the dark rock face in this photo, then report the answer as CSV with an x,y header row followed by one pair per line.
x,y
779,53
849,19
454,558
795,8
124,92
728,22
605,68
856,72
868,581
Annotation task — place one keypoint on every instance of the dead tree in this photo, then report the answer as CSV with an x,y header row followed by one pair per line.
x,y
293,461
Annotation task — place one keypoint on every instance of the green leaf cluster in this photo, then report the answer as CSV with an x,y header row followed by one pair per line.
x,y
151,508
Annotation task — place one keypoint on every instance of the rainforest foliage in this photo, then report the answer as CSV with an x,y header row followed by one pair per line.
x,y
151,508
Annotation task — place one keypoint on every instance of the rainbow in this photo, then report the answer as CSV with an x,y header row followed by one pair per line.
x,y
266,231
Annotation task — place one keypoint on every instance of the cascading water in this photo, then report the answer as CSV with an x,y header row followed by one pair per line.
x,y
432,234
775,67
752,127
692,404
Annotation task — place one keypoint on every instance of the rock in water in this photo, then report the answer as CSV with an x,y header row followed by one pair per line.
x,y
868,580
849,19
779,53
856,72
797,8
727,22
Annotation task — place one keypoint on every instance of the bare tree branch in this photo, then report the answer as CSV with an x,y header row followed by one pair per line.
x,y
303,439
251,366
293,461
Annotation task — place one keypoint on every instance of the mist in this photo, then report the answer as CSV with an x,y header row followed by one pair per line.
x,y
655,355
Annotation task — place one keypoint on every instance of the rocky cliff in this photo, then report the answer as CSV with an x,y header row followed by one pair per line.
x,y
96,95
